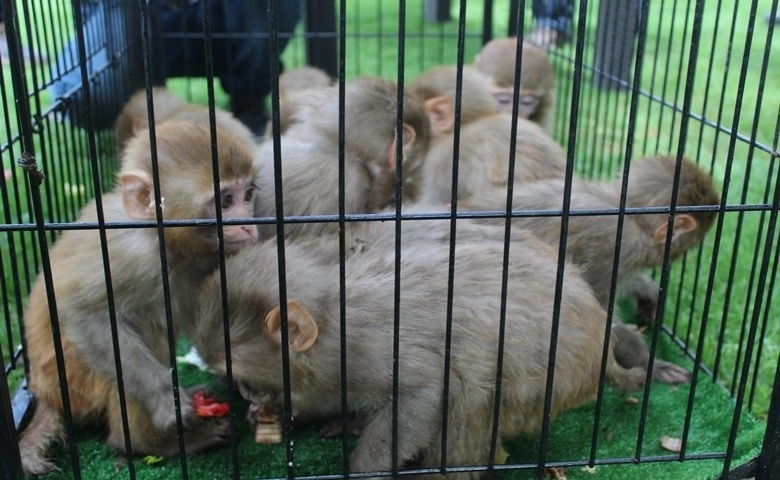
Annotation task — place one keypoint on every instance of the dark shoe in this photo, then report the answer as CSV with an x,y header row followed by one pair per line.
x,y
250,111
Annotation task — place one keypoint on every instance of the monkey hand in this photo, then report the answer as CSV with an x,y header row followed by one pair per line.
x,y
645,291
163,412
645,310
670,373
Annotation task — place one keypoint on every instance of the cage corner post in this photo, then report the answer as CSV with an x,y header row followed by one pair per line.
x,y
769,459
615,38
10,463
437,10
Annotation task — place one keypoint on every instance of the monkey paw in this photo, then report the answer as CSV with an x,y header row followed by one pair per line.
x,y
645,310
163,413
670,373
210,433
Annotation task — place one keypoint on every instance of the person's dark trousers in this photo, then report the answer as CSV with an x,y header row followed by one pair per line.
x,y
241,48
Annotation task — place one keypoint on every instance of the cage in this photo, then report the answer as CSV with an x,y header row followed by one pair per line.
x,y
635,79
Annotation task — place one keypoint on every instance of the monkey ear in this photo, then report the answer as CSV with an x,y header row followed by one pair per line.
x,y
683,223
302,330
139,123
409,136
441,114
137,196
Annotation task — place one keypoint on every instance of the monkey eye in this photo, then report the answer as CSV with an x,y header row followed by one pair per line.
x,y
227,200
504,98
250,192
528,100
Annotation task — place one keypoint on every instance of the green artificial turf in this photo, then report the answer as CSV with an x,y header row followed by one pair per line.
x,y
569,440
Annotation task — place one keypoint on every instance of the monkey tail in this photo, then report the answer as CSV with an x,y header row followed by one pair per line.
x,y
44,428
625,379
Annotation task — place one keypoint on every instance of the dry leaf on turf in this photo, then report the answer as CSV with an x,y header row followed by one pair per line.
x,y
671,444
556,473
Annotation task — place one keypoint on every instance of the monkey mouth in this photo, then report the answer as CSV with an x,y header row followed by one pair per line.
x,y
233,246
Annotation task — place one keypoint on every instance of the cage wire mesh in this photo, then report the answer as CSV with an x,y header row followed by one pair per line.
x,y
695,79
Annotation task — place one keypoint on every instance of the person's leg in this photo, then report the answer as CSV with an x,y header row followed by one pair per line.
x,y
247,78
553,22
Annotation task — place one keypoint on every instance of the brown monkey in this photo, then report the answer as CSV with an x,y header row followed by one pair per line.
x,y
477,100
314,337
485,136
185,180
591,239
294,94
303,78
168,106
537,79
310,152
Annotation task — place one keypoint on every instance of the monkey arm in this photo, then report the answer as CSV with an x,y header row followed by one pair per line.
x,y
419,419
145,375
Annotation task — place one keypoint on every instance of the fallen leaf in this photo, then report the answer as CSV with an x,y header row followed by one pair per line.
x,y
556,473
152,459
671,444
608,434
501,456
632,400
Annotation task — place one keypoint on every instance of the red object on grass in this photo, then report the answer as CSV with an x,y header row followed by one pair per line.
x,y
208,406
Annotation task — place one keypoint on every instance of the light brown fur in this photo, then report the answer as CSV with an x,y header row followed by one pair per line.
x,y
167,107
310,153
537,80
591,239
313,315
296,96
484,148
184,155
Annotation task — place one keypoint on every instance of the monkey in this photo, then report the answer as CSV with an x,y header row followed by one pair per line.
x,y
591,238
485,139
168,106
536,100
310,152
303,78
313,336
295,93
186,187
477,100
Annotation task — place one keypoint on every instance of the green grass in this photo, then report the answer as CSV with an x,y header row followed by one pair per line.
x,y
602,124
569,440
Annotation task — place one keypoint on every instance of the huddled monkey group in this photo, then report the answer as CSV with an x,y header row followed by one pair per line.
x,y
155,274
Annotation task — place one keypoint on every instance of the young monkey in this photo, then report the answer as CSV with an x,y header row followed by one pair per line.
x,y
591,238
167,107
313,336
310,154
485,139
536,100
184,154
